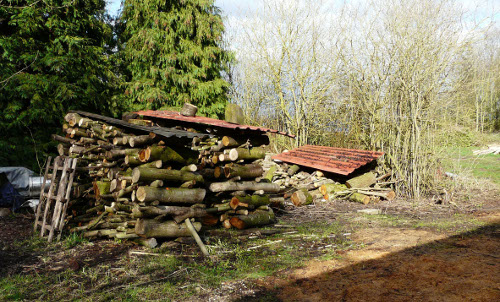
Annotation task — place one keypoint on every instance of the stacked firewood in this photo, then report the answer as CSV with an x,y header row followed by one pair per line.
x,y
307,187
142,186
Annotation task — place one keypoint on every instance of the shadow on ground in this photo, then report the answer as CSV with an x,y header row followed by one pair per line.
x,y
464,267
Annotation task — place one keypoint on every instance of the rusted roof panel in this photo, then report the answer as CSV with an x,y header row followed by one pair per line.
x,y
336,160
174,115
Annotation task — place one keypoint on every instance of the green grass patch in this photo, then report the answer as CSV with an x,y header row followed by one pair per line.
x,y
457,223
462,161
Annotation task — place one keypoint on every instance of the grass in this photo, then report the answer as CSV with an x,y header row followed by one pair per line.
x,y
462,161
457,223
170,278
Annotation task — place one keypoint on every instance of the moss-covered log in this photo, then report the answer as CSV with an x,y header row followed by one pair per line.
x,y
234,114
253,200
256,218
170,195
243,171
247,154
362,181
301,198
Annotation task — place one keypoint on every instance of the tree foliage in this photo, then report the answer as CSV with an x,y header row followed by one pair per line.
x,y
53,58
172,54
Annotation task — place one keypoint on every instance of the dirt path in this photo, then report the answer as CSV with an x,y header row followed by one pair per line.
x,y
400,264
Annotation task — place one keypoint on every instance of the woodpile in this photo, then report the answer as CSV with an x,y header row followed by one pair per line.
x,y
141,186
304,187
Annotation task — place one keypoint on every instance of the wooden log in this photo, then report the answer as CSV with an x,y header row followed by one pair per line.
x,y
157,164
333,188
169,155
243,171
63,139
301,198
270,173
293,169
133,160
151,174
114,153
389,195
141,122
209,220
147,242
156,184
253,200
247,154
141,140
256,218
171,195
101,188
167,229
277,202
358,197
179,213
189,168
62,150
189,110
227,224
244,186
362,181
234,114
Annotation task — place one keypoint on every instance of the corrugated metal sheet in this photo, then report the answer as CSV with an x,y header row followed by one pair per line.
x,y
173,115
336,160
161,131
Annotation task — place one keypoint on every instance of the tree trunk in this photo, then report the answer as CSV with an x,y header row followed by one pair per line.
x,y
256,218
171,195
244,186
246,171
362,181
151,174
167,229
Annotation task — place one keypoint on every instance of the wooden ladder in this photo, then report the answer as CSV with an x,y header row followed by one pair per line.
x,y
61,172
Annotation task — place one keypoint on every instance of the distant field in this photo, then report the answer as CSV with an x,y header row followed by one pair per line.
x,y
462,161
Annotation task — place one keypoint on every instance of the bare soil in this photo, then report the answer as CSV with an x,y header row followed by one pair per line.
x,y
388,262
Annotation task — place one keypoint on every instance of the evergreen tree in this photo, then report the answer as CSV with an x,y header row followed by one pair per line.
x,y
53,58
172,54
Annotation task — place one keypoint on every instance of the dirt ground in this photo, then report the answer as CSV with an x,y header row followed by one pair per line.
x,y
390,263
394,263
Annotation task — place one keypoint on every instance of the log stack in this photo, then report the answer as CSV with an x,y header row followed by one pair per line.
x,y
140,186
305,187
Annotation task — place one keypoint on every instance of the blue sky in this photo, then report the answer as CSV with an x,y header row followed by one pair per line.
x,y
227,6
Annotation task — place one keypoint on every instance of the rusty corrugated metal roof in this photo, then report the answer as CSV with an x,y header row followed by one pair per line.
x,y
336,160
174,115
